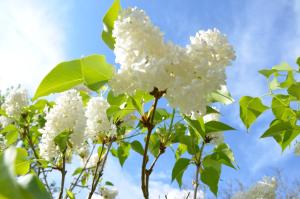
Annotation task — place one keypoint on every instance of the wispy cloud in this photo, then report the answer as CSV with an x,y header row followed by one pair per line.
x,y
267,34
31,40
129,186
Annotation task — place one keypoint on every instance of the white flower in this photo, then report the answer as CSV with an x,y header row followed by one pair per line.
x,y
84,151
66,115
107,193
264,189
5,121
92,161
98,124
141,52
188,74
15,101
217,137
297,149
2,143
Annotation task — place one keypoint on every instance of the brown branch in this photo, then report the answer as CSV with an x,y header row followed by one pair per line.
x,y
36,155
198,166
100,164
148,122
73,185
63,176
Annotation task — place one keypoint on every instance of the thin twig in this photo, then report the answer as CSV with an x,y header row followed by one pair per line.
x,y
63,175
148,122
36,155
72,186
100,163
198,166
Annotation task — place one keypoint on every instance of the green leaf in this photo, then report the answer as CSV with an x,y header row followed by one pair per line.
x,y
274,84
109,183
298,61
61,140
116,100
210,175
22,162
27,187
114,152
191,143
34,187
9,128
210,110
108,23
137,147
70,194
279,104
123,152
181,149
77,171
277,129
96,71
250,109
294,90
222,95
180,130
281,108
197,125
180,166
161,114
216,126
289,80
137,106
267,72
92,71
11,137
154,144
283,67
288,138
224,155
8,184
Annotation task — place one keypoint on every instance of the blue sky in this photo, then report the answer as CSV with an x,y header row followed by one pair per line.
x,y
36,35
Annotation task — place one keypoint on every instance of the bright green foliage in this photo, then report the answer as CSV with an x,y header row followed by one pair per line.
x,y
284,89
222,96
166,130
250,109
179,168
294,90
223,154
27,187
108,23
70,194
137,147
93,71
22,162
123,152
61,140
197,125
216,126
210,175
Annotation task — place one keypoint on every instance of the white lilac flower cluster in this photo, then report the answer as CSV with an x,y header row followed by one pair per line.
x,y
146,61
264,189
15,101
108,193
98,125
297,149
92,162
66,115
216,137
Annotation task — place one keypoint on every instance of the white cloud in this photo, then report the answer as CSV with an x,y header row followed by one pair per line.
x,y
31,40
129,187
